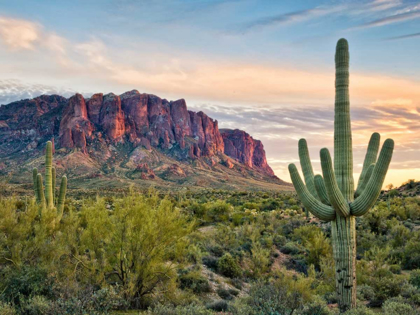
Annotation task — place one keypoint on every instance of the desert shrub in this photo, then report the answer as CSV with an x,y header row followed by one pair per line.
x,y
192,309
198,209
20,284
290,248
228,266
152,227
219,211
395,269
316,308
195,282
279,240
233,292
264,299
415,278
365,292
36,305
218,306
259,260
398,307
224,294
194,253
210,262
360,310
7,309
271,204
237,218
237,283
385,288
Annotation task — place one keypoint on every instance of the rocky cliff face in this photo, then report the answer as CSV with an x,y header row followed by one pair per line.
x,y
242,147
132,119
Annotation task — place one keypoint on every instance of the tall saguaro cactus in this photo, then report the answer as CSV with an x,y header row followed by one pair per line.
x,y
48,198
331,197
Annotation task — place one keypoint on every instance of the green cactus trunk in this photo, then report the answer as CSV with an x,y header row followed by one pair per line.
x,y
343,234
48,176
343,229
331,197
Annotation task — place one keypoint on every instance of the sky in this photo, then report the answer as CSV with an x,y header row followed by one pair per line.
x,y
263,66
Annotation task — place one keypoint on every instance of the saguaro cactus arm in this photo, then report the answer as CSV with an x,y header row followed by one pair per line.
x,y
53,173
62,196
334,194
370,157
363,183
40,189
316,207
48,175
34,176
305,163
321,190
368,197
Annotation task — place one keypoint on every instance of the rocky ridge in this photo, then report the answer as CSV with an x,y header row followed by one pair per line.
x,y
137,123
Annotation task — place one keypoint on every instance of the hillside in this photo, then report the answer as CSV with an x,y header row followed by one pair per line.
x,y
111,141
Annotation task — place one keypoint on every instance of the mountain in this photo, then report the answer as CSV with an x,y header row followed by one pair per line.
x,y
111,140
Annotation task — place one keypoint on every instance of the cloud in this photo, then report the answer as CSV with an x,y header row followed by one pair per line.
x,y
279,128
290,17
15,90
401,17
19,34
403,36
382,5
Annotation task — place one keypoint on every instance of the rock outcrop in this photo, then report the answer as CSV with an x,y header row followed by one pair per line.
x,y
241,146
133,119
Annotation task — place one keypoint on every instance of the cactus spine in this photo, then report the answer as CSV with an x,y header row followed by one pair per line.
x,y
47,199
331,197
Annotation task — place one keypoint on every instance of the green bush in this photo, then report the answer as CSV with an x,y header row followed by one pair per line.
x,y
36,305
20,284
7,309
290,248
210,262
192,309
195,282
224,294
219,211
415,278
316,308
398,307
360,310
365,292
228,266
218,306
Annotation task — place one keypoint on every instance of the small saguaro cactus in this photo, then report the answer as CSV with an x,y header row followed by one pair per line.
x,y
48,199
332,197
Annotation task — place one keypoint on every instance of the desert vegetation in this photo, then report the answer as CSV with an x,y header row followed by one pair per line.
x,y
202,253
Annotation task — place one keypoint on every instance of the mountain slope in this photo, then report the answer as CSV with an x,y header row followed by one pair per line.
x,y
111,141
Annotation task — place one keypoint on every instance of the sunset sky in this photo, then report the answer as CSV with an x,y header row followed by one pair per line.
x,y
263,66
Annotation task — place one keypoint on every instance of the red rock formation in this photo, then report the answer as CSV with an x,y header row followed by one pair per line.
x,y
160,122
134,106
242,147
213,142
112,117
75,125
181,121
94,105
135,118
